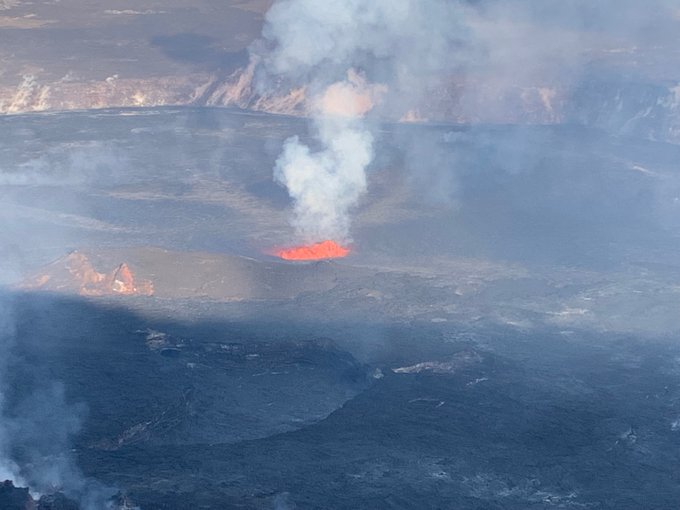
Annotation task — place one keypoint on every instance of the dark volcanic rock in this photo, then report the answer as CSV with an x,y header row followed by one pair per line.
x,y
18,498
57,502
221,384
15,498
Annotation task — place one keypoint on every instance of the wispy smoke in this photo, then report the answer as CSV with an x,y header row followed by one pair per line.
x,y
66,166
9,470
350,57
36,432
38,424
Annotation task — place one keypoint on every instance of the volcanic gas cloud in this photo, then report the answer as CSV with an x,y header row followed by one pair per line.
x,y
326,185
323,250
327,178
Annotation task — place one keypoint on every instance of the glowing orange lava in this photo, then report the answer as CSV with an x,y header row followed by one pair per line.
x,y
323,250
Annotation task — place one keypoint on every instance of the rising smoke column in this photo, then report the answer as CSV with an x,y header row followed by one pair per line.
x,y
352,58
326,184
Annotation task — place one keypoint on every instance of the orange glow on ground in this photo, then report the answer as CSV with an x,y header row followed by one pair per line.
x,y
318,251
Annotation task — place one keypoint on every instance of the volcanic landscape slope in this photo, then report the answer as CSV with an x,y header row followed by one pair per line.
x,y
97,177
172,274
76,55
144,381
480,333
496,206
527,421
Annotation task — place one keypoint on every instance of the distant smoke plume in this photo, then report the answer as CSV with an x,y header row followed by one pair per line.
x,y
351,58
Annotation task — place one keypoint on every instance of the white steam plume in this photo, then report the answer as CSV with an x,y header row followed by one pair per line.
x,y
326,184
319,45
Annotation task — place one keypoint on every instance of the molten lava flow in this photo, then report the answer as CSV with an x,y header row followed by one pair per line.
x,y
323,250
75,272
